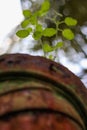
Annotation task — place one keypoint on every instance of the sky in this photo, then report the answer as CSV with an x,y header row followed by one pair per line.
x,y
10,16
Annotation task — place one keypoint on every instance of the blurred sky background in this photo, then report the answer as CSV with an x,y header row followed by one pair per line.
x,y
10,18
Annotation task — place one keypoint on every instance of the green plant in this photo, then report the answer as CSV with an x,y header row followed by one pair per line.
x,y
32,25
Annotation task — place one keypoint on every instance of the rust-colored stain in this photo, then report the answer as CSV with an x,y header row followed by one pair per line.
x,y
39,94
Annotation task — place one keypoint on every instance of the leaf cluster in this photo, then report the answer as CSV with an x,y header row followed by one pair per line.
x,y
31,25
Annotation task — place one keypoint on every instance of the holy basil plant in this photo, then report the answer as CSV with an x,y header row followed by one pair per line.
x,y
31,25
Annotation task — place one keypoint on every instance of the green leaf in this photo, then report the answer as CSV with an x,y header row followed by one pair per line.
x,y
45,6
68,34
22,33
25,23
51,57
33,20
47,48
58,45
70,21
41,13
37,35
27,13
39,27
49,32
38,32
29,30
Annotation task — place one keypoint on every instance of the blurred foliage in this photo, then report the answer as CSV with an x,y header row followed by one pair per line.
x,y
75,49
68,8
33,25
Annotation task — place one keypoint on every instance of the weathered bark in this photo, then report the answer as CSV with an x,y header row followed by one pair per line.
x,y
39,94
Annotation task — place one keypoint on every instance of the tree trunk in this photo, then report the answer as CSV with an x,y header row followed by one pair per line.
x,y
39,94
